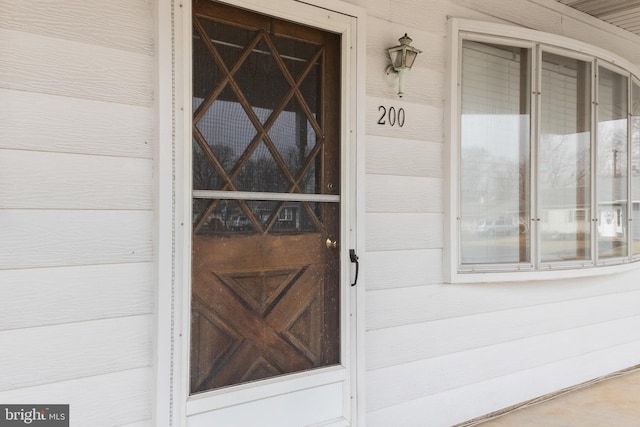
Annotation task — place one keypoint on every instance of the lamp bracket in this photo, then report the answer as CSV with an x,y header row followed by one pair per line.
x,y
391,75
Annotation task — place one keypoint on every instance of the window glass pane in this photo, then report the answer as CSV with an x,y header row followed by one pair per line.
x,y
635,167
564,159
611,185
494,163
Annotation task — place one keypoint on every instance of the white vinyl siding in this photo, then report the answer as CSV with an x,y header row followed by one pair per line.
x,y
76,212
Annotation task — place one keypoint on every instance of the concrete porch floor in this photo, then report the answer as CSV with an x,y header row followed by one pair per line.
x,y
612,402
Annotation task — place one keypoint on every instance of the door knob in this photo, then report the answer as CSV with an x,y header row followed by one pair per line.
x,y
331,244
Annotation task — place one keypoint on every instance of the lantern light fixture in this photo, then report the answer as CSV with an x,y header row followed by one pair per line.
x,y
402,59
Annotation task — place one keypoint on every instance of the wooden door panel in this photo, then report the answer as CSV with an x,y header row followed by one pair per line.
x,y
261,308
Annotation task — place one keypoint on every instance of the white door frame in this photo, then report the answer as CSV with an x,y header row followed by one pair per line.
x,y
172,404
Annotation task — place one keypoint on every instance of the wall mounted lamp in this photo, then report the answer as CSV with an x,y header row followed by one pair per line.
x,y
402,58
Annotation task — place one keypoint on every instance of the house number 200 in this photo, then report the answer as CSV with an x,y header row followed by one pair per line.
x,y
391,116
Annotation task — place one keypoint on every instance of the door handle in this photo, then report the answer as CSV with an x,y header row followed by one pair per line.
x,y
354,259
331,244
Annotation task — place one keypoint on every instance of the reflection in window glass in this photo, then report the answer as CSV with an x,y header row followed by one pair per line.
x,y
635,166
564,159
611,184
234,217
576,201
494,174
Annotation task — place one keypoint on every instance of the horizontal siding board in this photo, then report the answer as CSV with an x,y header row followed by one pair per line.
x,y
403,157
401,194
40,122
433,14
467,402
527,14
122,24
422,122
582,31
403,231
394,346
98,401
48,238
48,296
71,181
404,306
375,8
400,383
394,269
74,69
74,350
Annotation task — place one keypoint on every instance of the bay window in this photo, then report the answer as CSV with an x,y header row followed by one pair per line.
x,y
545,155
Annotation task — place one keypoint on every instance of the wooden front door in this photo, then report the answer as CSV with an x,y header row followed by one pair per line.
x,y
266,197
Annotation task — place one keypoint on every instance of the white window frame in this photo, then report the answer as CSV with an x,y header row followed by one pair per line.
x,y
634,80
507,35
